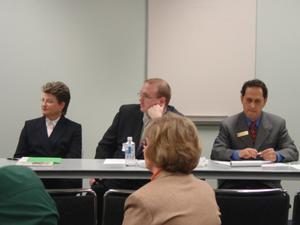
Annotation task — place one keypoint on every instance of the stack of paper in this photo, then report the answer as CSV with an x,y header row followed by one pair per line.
x,y
242,163
38,161
248,163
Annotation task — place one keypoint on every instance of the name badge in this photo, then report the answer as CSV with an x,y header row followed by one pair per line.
x,y
242,134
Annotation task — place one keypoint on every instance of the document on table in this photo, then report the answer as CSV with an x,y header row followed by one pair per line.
x,y
242,163
114,161
226,163
272,165
38,161
140,163
203,162
296,166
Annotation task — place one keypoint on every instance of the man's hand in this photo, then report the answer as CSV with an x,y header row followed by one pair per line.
x,y
248,153
156,111
268,154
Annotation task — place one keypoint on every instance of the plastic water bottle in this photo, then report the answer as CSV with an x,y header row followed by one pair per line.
x,y
130,152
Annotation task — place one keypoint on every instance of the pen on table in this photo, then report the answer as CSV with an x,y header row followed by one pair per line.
x,y
16,159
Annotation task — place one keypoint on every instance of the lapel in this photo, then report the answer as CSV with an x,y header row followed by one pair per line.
x,y
43,134
139,127
58,131
242,126
263,131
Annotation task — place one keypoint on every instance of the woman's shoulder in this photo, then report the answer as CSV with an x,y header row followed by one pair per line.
x,y
70,122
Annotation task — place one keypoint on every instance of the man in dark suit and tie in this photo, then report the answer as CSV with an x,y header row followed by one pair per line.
x,y
131,120
52,135
253,134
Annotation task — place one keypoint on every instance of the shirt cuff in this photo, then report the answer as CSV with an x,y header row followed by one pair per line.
x,y
279,157
235,155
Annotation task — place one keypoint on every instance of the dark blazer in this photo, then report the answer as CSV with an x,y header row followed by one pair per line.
x,y
271,133
65,141
127,122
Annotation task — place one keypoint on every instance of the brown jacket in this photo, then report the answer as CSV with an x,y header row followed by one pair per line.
x,y
173,199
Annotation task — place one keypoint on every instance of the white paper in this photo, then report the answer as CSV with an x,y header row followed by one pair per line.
x,y
270,165
226,163
140,163
114,161
203,162
23,162
296,166
242,163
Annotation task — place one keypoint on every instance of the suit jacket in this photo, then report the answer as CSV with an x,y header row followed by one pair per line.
x,y
127,122
173,199
65,141
271,133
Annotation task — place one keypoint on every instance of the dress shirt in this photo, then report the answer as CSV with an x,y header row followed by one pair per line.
x,y
50,124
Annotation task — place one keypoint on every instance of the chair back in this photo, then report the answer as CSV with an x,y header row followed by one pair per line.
x,y
253,207
75,206
296,210
113,206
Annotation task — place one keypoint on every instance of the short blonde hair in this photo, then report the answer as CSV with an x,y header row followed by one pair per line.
x,y
173,144
60,90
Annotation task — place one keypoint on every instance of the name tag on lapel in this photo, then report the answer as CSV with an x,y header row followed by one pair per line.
x,y
242,134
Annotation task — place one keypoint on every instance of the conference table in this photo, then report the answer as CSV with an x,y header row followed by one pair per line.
x,y
88,168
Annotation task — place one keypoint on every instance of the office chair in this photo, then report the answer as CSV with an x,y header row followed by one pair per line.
x,y
113,206
75,206
296,210
253,207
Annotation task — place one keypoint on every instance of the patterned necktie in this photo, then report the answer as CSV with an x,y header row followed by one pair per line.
x,y
252,130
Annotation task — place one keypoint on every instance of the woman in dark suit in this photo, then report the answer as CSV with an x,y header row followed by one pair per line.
x,y
52,135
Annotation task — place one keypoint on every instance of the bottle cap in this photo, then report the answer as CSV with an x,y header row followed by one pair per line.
x,y
129,138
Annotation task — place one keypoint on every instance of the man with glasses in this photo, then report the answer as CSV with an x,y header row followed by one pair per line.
x,y
253,134
131,120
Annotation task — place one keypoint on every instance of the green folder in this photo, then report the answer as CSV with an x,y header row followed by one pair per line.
x,y
54,160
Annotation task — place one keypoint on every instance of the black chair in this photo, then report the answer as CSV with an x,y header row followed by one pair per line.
x,y
113,206
296,210
253,207
75,206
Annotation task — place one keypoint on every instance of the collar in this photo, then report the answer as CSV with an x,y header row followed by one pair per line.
x,y
54,122
163,173
146,119
257,122
155,175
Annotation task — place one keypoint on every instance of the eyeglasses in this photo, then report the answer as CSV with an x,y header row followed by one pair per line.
x,y
145,95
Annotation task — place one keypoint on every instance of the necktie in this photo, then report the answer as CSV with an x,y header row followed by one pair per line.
x,y
50,128
252,130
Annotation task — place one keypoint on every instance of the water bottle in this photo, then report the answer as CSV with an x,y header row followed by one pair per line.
x,y
130,152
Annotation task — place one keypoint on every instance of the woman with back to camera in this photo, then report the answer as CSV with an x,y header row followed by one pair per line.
x,y
174,196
